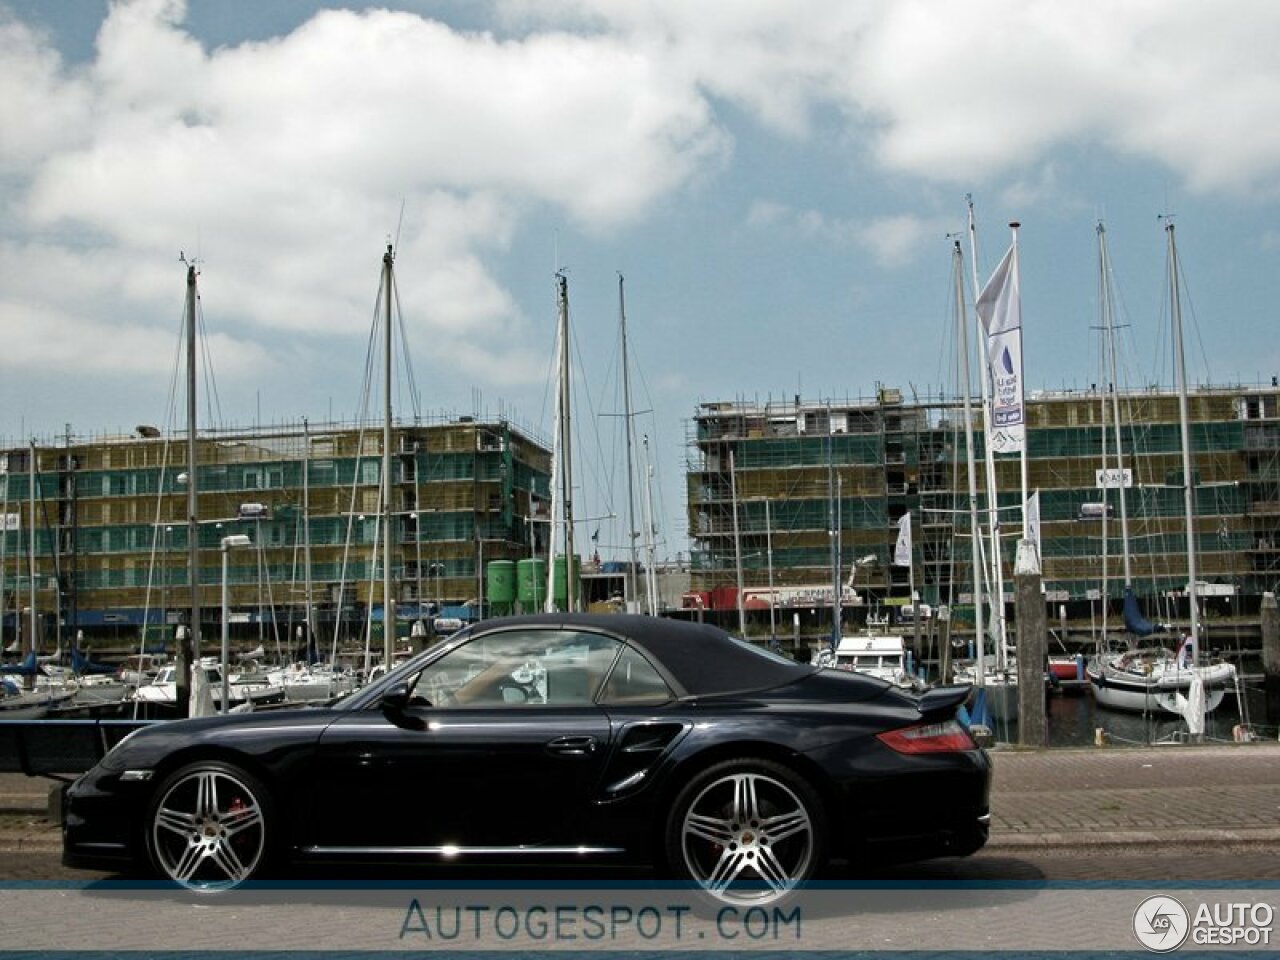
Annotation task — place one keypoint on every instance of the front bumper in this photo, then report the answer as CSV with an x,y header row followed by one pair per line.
x,y
102,821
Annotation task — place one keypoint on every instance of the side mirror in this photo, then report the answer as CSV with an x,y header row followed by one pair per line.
x,y
395,700
395,703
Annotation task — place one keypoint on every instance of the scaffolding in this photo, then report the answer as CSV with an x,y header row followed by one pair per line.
x,y
868,461
107,537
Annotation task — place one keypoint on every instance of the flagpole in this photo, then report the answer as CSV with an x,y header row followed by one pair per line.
x,y
904,556
996,580
1026,527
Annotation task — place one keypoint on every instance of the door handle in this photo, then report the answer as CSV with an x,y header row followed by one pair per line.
x,y
572,746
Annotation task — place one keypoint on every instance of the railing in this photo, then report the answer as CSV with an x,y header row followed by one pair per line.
x,y
55,748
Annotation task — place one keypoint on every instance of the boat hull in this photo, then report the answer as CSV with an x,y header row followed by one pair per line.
x,y
1157,692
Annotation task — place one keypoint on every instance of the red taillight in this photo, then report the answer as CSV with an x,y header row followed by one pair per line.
x,y
947,737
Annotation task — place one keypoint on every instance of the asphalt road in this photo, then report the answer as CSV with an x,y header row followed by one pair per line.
x,y
31,853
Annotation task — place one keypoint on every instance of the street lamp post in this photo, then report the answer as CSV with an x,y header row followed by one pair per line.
x,y
437,569
164,586
859,564
768,548
417,568
228,544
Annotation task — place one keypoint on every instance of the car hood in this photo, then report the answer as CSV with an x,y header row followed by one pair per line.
x,y
147,745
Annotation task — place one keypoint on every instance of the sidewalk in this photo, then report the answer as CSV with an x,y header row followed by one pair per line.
x,y
1130,796
1152,796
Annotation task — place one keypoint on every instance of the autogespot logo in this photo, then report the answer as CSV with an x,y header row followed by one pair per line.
x,y
1161,923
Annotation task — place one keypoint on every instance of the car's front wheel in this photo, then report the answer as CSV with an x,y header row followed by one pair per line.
x,y
746,831
209,826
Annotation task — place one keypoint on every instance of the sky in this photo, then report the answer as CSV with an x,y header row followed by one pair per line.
x,y
777,182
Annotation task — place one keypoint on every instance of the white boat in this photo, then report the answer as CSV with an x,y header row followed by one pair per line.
x,y
17,703
163,690
1151,680
882,656
302,682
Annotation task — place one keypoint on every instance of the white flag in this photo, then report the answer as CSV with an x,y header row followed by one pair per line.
x,y
1000,310
902,552
1033,519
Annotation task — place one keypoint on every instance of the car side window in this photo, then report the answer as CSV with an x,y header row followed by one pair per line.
x,y
634,681
519,668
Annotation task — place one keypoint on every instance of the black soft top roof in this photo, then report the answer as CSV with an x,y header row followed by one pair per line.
x,y
702,659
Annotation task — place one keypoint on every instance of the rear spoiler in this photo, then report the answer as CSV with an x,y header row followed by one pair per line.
x,y
943,699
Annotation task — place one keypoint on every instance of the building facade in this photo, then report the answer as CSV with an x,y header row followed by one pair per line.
x,y
811,495
96,533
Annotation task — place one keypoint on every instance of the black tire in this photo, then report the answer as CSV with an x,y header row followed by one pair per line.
x,y
210,827
747,831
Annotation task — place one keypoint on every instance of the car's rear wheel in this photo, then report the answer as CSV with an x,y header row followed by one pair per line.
x,y
209,826
747,831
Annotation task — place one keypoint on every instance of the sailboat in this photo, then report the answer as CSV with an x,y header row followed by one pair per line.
x,y
1160,679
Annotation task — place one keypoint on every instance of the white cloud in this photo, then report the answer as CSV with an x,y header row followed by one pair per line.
x,y
891,240
284,162
42,108
279,161
974,92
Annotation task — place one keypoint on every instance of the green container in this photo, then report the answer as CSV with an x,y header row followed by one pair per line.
x,y
531,582
559,580
501,581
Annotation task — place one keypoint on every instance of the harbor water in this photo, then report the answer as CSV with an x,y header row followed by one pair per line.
x,y
1074,719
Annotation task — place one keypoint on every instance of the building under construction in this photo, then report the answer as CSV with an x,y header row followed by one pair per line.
x,y
808,498
96,533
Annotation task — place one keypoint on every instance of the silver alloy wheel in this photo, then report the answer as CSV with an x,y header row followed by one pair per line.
x,y
208,831
747,838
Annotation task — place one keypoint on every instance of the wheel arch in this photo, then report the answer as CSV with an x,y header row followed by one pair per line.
x,y
689,767
219,753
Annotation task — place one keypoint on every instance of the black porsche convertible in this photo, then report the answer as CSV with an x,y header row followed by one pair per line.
x,y
562,737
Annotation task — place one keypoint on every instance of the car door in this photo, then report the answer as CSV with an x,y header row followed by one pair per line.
x,y
500,746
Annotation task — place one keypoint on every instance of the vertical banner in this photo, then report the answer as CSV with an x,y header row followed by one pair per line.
x,y
1032,507
1000,309
902,551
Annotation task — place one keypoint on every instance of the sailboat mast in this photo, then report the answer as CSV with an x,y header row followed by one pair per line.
x,y
1108,320
4,545
189,644
31,543
308,609
1104,486
388,601
566,445
975,548
626,408
650,529
1184,422
557,445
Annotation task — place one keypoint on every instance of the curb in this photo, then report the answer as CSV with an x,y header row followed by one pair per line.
x,y
1171,840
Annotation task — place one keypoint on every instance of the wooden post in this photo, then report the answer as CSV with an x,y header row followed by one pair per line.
x,y
1271,656
1032,647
